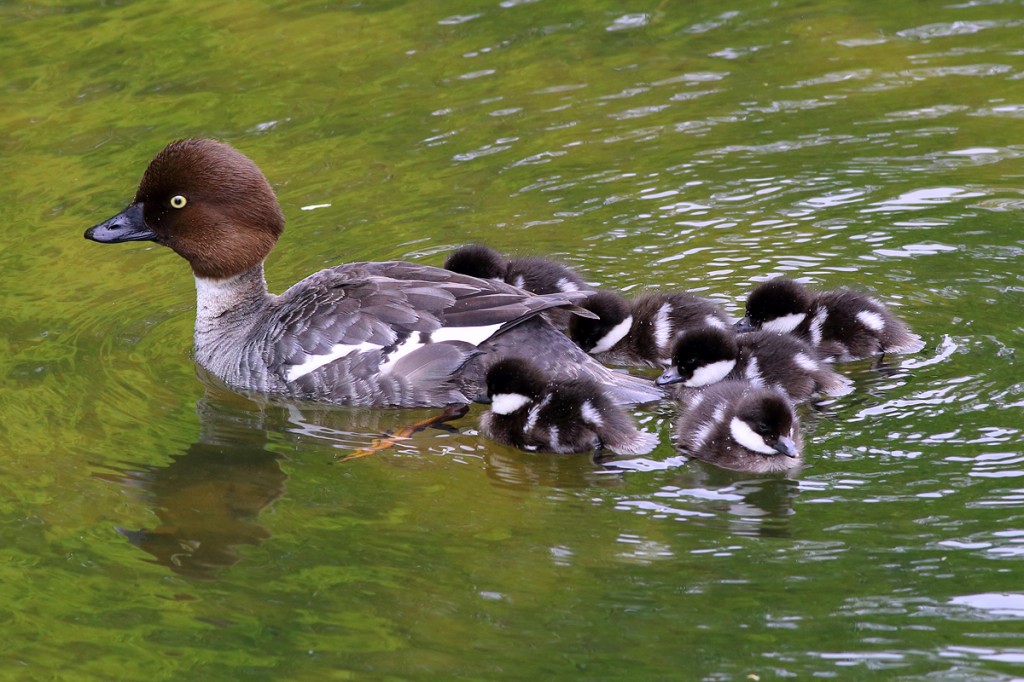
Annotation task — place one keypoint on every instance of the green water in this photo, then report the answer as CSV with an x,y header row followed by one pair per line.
x,y
701,145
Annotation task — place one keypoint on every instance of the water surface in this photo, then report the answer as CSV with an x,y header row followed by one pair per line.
x,y
155,526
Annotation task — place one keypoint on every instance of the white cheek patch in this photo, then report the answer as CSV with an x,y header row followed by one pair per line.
x,y
663,326
745,436
338,351
710,374
507,403
784,324
805,362
591,415
614,335
567,285
871,320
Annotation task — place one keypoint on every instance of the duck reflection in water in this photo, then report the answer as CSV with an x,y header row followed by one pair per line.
x,y
749,503
209,497
513,469
756,506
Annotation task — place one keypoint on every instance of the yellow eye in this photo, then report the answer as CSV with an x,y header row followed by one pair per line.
x,y
178,201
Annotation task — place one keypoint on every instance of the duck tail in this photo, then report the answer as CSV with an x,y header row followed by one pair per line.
x,y
623,388
904,341
632,442
832,383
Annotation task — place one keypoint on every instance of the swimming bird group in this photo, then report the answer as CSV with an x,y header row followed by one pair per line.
x,y
527,335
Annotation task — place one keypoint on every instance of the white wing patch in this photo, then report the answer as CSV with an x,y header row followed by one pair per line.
x,y
531,418
784,324
745,436
409,345
714,321
806,362
753,372
614,335
663,326
507,403
694,400
337,352
591,415
471,335
553,433
710,374
816,325
519,281
701,435
534,414
871,320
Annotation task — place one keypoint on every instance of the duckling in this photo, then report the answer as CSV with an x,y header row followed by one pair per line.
x,y
843,325
736,425
641,332
531,413
530,273
707,356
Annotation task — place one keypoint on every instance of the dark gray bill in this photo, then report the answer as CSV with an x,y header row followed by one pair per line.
x,y
743,325
127,226
786,446
669,376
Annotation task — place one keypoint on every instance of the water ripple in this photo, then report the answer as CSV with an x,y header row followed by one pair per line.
x,y
919,199
834,77
953,28
629,21
999,655
1001,111
994,465
711,24
499,145
929,112
694,78
457,19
